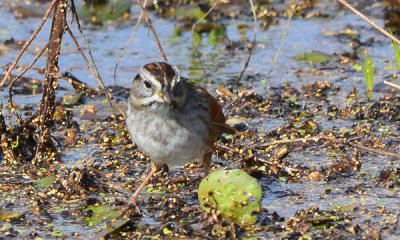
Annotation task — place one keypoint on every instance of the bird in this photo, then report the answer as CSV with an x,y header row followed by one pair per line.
x,y
172,120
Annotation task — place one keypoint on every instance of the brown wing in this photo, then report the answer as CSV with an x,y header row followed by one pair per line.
x,y
216,127
217,119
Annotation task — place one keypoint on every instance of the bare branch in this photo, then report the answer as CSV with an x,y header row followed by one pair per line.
x,y
96,76
278,52
128,44
147,19
365,18
392,84
253,42
10,86
26,45
335,140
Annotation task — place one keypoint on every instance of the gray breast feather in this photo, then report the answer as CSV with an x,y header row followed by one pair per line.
x,y
170,137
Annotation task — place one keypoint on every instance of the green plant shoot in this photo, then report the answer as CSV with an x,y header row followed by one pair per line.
x,y
396,48
369,75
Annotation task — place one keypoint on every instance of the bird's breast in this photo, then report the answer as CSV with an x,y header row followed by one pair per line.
x,y
168,136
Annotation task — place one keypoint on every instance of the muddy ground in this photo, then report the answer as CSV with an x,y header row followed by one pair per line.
x,y
325,155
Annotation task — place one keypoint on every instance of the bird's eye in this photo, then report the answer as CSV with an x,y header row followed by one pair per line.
x,y
147,84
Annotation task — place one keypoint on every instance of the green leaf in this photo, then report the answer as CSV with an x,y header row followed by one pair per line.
x,y
196,39
190,12
167,231
50,225
100,13
56,233
263,81
233,193
177,32
396,48
100,213
369,75
262,168
314,56
46,181
109,229
357,67
69,100
216,36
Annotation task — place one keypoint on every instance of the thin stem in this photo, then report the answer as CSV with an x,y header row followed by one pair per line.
x,y
10,86
109,95
26,45
391,84
282,40
253,42
198,55
147,19
335,140
128,44
365,18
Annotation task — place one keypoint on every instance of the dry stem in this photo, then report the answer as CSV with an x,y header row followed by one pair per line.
x,y
332,139
253,42
198,55
148,21
392,84
10,86
259,159
283,38
26,45
97,76
128,44
365,18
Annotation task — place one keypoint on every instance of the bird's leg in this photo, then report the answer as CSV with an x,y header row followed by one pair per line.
x,y
133,200
206,161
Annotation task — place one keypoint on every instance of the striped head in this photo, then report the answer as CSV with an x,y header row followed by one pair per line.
x,y
158,83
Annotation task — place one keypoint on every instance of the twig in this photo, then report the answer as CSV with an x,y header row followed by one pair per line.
x,y
77,84
391,84
10,86
198,55
38,69
148,21
253,42
360,146
362,16
204,16
259,159
278,52
335,140
97,77
26,45
128,44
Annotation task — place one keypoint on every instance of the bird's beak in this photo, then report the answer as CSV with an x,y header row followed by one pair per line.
x,y
165,97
